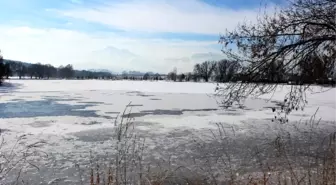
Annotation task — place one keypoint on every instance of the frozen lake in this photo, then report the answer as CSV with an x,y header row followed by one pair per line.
x,y
74,118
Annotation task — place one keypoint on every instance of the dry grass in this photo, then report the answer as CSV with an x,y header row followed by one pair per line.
x,y
16,157
288,166
303,158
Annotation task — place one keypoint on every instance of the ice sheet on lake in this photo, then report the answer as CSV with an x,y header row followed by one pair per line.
x,y
71,113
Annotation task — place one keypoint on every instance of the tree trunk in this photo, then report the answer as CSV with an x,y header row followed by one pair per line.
x,y
206,79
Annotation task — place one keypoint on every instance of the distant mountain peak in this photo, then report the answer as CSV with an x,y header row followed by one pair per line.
x,y
113,51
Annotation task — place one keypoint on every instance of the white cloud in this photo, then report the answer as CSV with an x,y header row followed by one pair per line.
x,y
111,51
187,16
206,56
101,50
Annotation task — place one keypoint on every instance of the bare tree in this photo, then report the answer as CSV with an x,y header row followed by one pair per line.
x,y
205,69
32,70
172,75
2,67
40,71
181,77
8,70
188,77
146,76
315,69
225,70
21,69
221,69
49,71
292,35
5,69
66,72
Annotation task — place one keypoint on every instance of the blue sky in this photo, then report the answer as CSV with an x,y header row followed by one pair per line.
x,y
156,34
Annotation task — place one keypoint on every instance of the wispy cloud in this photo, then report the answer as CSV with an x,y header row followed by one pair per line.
x,y
189,16
144,35
100,50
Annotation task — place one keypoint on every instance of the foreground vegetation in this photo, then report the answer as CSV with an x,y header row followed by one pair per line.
x,y
297,154
304,156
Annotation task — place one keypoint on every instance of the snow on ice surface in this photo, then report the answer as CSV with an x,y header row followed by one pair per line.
x,y
74,116
171,104
143,86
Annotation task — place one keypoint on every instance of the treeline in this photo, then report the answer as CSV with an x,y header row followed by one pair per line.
x,y
2,69
219,71
310,71
85,74
37,71
142,76
9,68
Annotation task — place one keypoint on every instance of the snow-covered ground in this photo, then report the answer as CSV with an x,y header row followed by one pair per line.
x,y
73,118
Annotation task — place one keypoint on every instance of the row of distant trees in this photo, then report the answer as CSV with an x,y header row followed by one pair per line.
x,y
2,69
85,74
312,70
219,71
145,76
10,68
37,71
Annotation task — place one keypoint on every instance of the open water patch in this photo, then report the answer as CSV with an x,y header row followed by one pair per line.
x,y
173,112
47,107
95,135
